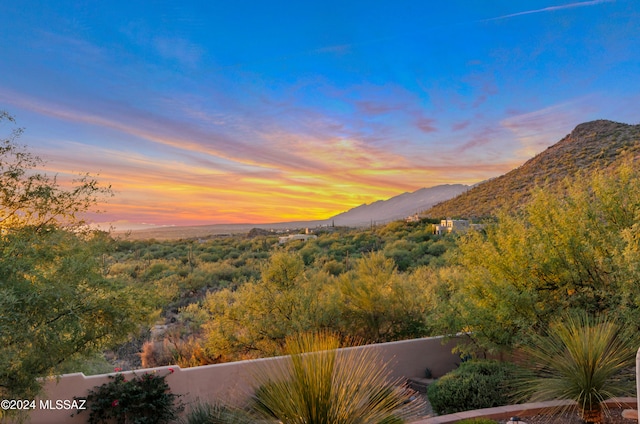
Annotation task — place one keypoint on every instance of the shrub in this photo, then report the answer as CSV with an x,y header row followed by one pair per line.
x,y
475,384
585,359
316,384
155,354
144,399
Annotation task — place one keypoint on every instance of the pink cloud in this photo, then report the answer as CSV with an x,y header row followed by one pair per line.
x,y
426,124
459,126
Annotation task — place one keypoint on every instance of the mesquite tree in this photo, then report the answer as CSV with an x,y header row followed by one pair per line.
x,y
55,304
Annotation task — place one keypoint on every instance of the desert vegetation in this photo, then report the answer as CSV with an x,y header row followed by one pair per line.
x,y
57,306
71,296
582,358
238,298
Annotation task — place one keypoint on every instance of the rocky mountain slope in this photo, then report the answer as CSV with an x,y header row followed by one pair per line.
x,y
592,145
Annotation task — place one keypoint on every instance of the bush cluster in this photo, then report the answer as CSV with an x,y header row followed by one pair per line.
x,y
475,384
144,399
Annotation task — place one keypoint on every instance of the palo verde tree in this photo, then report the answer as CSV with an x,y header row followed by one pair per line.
x,y
54,302
379,304
576,248
255,319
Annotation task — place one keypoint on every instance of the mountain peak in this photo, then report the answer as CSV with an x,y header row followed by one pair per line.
x,y
597,126
591,145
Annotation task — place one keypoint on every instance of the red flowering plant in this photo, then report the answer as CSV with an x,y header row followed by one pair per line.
x,y
143,399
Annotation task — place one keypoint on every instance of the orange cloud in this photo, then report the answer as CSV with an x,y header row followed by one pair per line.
x,y
178,174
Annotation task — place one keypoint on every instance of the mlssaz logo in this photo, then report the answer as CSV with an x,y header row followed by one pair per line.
x,y
63,404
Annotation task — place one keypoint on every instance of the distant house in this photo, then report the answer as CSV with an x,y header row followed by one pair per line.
x,y
452,225
305,237
413,218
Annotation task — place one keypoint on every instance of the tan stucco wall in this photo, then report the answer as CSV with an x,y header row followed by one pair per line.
x,y
232,382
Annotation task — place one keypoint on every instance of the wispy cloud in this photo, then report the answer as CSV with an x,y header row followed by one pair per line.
x,y
241,166
459,126
282,172
549,9
186,53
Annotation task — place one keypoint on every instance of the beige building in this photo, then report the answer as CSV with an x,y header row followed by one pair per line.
x,y
452,225
305,237
413,218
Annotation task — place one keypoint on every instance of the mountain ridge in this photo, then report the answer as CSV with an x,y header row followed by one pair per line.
x,y
379,211
398,207
591,145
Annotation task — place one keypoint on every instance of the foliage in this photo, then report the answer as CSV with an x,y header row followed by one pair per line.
x,y
212,290
378,304
574,249
373,301
87,364
585,359
327,386
31,198
475,384
56,304
144,399
476,421
206,413
255,319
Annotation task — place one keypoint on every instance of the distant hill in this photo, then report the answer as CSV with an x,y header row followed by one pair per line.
x,y
382,211
592,145
398,207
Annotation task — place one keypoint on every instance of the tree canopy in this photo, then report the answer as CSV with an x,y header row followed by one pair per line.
x,y
572,249
55,301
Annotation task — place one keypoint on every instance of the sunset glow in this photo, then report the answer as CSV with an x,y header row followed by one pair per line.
x,y
236,112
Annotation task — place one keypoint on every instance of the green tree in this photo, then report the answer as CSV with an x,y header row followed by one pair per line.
x,y
55,303
255,319
575,248
379,304
31,198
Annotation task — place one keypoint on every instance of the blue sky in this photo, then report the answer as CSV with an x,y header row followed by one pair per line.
x,y
251,111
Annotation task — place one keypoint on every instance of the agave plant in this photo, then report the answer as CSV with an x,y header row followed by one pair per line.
x,y
584,359
320,385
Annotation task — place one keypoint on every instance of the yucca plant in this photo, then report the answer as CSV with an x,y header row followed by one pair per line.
x,y
215,413
318,384
584,359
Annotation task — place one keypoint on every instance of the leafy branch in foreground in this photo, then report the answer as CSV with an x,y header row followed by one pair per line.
x,y
29,197
575,248
56,304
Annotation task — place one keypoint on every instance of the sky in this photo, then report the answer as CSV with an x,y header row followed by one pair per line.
x,y
253,112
